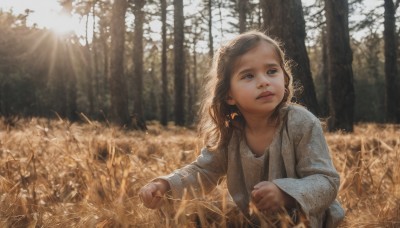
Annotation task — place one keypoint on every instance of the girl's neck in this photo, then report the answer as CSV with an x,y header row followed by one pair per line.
x,y
259,124
259,134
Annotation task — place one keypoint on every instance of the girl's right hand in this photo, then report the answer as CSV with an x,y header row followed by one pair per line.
x,y
151,194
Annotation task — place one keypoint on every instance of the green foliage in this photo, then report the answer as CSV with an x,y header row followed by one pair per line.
x,y
42,74
37,70
17,94
369,79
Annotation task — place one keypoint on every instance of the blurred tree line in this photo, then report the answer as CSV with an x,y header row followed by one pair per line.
x,y
127,71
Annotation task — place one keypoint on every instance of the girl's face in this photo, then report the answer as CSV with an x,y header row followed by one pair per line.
x,y
257,83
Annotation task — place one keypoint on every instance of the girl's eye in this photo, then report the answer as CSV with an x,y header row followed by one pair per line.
x,y
247,76
272,71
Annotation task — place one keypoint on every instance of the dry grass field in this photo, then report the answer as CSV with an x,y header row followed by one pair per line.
x,y
62,174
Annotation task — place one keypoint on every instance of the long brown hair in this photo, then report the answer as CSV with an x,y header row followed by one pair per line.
x,y
217,118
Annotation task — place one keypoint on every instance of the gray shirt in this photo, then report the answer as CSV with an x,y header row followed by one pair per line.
x,y
253,167
298,162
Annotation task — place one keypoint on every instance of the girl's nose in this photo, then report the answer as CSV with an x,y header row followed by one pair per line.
x,y
262,81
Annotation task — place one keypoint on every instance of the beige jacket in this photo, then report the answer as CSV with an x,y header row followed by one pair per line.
x,y
297,161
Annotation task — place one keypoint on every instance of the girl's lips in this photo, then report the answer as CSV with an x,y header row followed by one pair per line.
x,y
265,94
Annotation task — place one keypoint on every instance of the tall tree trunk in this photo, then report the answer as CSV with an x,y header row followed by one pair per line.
x,y
138,64
242,8
260,13
193,85
153,102
89,66
179,61
392,97
68,68
189,95
324,73
284,20
220,9
340,57
210,33
164,76
72,112
96,93
195,81
106,67
119,99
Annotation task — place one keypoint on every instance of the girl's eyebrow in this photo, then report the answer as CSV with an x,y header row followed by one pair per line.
x,y
272,65
247,70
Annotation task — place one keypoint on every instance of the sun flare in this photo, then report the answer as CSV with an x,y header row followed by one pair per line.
x,y
62,24
47,14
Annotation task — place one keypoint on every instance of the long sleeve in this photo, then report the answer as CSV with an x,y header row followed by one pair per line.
x,y
311,179
200,176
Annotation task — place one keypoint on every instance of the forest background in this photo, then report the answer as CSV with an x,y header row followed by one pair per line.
x,y
66,90
137,61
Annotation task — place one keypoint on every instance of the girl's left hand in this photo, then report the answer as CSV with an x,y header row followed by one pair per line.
x,y
268,197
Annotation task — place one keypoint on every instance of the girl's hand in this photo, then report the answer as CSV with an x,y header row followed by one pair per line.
x,y
268,197
151,194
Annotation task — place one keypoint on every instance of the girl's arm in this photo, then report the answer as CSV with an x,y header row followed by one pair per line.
x,y
199,177
314,181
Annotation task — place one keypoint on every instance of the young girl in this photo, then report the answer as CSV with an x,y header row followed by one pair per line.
x,y
273,153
